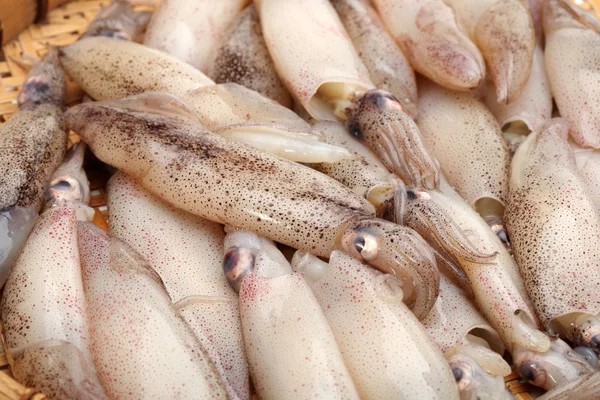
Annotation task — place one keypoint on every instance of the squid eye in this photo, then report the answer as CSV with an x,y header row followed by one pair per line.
x,y
534,373
366,245
463,374
237,263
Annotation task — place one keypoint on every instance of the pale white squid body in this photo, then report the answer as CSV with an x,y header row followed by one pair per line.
x,y
504,32
142,347
191,29
548,203
311,51
529,110
44,311
464,137
186,251
572,57
385,347
291,348
431,39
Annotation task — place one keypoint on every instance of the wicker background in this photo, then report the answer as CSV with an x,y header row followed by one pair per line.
x,y
63,26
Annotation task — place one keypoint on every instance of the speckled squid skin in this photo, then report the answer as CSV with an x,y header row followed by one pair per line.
x,y
107,69
572,57
504,32
436,47
454,316
111,69
462,134
44,311
497,286
34,141
547,197
218,179
186,252
533,105
310,47
234,184
587,162
290,346
142,347
386,349
243,58
191,30
388,67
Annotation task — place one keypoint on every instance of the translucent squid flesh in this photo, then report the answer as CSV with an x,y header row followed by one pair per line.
x,y
118,20
465,138
529,110
243,58
547,196
318,63
109,69
586,387
186,252
141,346
231,183
572,57
500,295
33,143
504,32
386,349
587,162
44,311
368,177
473,348
291,348
436,47
388,67
191,30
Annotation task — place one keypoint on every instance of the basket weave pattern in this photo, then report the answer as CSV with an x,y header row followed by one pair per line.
x,y
62,27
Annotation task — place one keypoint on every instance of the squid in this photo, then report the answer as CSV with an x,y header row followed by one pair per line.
x,y
503,30
587,162
186,252
386,349
243,58
368,177
387,65
529,110
118,20
191,30
141,346
547,196
473,348
499,293
291,348
318,63
109,69
33,143
428,34
231,183
464,137
44,311
572,57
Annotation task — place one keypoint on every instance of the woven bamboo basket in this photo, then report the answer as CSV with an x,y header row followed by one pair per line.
x,y
61,24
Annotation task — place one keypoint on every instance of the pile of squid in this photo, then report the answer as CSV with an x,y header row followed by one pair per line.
x,y
309,199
